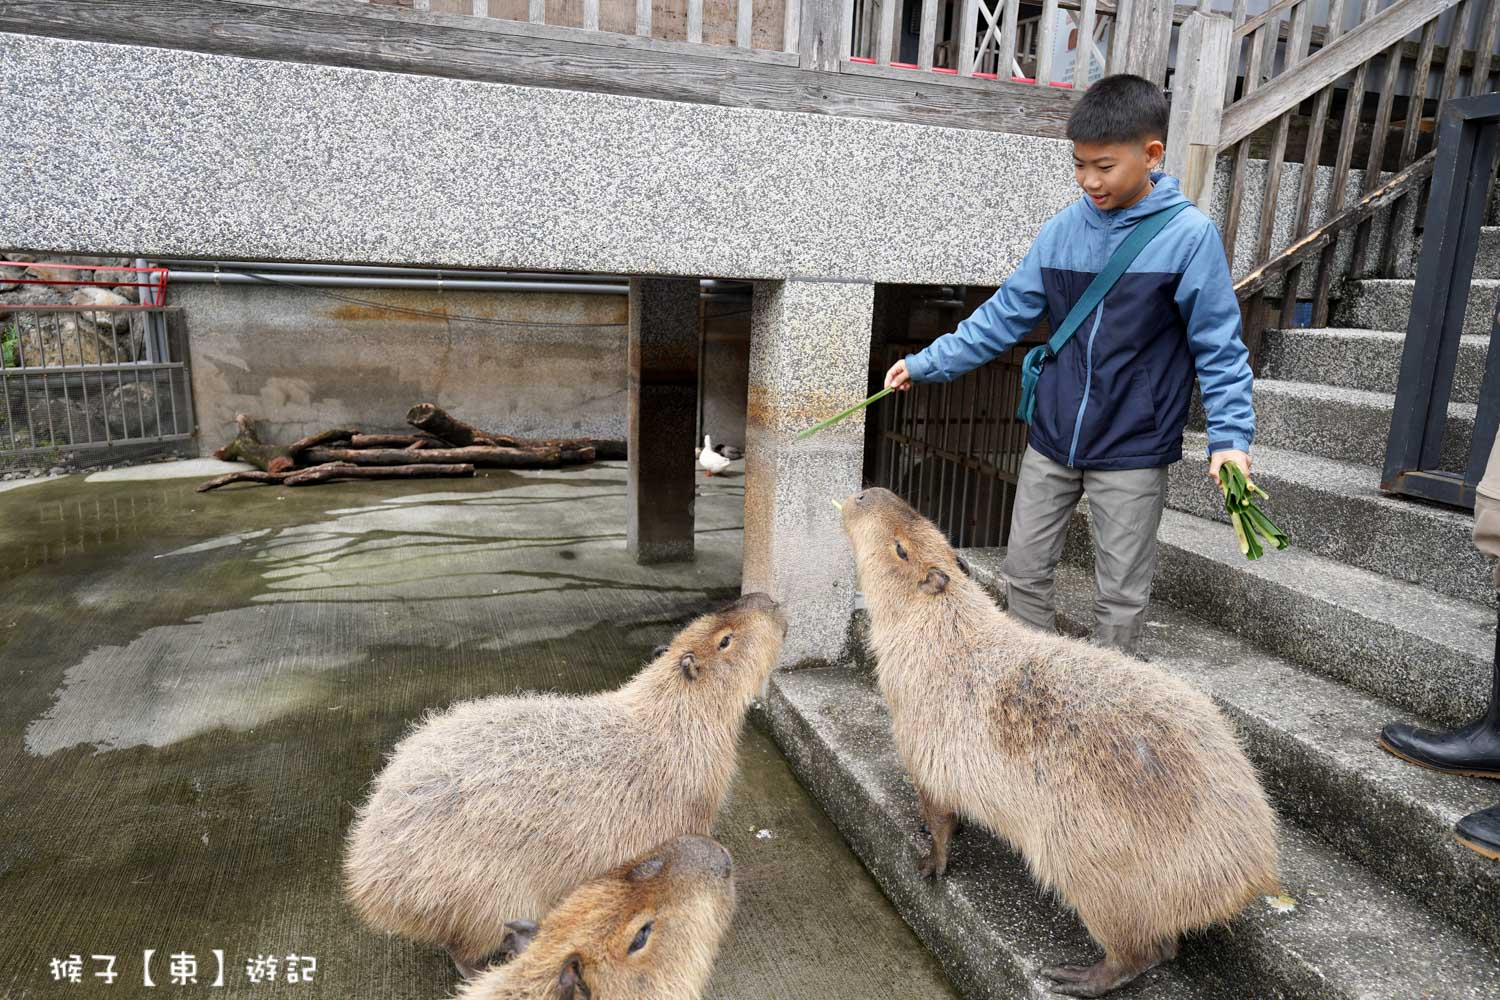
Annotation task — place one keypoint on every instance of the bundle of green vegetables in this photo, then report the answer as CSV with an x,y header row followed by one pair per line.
x,y
1249,521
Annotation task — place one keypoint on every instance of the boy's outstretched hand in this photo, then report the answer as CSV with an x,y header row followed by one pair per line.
x,y
897,378
1215,461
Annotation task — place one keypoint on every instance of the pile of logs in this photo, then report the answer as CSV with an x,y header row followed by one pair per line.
x,y
440,445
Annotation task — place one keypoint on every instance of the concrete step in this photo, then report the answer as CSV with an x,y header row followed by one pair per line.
x,y
1368,360
1336,509
1428,653
1349,936
1486,259
1385,304
1350,425
1313,740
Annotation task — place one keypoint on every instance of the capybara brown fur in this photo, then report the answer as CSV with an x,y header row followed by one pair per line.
x,y
492,810
1123,787
646,930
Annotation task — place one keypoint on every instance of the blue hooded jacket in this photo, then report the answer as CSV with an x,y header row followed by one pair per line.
x,y
1117,395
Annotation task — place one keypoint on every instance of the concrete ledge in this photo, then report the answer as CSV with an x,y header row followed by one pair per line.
x,y
262,160
1348,937
1369,360
1335,509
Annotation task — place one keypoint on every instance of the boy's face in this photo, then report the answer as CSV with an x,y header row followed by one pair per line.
x,y
1116,174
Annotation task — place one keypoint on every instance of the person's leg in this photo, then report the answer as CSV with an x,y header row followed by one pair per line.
x,y
1472,750
1046,493
1125,511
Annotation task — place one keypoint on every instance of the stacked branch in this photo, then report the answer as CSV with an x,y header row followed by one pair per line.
x,y
442,445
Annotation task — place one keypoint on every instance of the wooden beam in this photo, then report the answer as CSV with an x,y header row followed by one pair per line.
x,y
643,18
1044,43
884,47
1146,27
695,22
1203,48
353,34
742,24
927,35
590,15
820,31
1007,47
791,24
967,37
1083,57
1273,13
536,11
1327,65
1398,186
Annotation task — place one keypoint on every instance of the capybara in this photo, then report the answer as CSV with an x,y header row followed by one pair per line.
x,y
647,930
1123,787
491,811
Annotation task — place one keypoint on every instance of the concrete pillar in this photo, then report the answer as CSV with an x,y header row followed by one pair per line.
x,y
663,417
809,358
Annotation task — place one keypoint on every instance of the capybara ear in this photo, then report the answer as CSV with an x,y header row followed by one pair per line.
x,y
660,651
570,984
935,582
689,665
963,567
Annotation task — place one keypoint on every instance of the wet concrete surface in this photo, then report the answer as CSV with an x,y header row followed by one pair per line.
x,y
195,691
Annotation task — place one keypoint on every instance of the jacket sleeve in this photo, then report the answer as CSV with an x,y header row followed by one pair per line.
x,y
1006,317
1211,313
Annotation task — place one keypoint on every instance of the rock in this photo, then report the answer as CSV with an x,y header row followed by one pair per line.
x,y
57,470
731,452
8,276
54,422
98,298
130,410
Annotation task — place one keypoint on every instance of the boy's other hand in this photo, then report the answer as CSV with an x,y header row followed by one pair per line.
x,y
1217,459
897,377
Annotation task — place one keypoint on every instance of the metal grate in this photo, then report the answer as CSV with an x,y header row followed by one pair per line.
x,y
76,378
953,450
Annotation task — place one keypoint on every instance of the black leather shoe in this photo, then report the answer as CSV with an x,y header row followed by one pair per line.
x,y
1481,832
1473,750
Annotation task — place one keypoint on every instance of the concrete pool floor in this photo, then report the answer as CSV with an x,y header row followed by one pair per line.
x,y
195,690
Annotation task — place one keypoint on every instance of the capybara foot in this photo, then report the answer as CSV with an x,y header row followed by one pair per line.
x,y
934,865
518,937
1094,980
465,969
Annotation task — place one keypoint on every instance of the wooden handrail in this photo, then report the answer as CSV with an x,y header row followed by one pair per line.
x,y
1326,65
1273,13
1382,196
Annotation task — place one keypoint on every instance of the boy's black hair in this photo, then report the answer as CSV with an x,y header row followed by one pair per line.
x,y
1120,108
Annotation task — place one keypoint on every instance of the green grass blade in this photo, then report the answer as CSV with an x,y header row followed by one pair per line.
x,y
841,415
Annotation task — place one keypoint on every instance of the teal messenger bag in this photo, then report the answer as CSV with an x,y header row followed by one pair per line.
x,y
1037,358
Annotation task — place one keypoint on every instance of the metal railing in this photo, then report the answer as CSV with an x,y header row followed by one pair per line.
x,y
1466,157
953,449
74,378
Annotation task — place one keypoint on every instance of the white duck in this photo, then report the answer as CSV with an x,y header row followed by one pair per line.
x,y
711,461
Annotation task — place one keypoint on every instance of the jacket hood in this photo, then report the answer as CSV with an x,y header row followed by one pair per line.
x,y
1166,193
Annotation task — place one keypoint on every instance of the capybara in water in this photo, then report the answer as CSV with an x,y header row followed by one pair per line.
x,y
1123,787
493,810
647,930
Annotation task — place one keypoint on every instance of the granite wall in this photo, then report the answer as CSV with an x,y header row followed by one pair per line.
x,y
247,159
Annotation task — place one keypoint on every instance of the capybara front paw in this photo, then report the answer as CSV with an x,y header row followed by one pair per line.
x,y
932,866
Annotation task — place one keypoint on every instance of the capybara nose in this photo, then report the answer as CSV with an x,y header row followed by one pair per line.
x,y
754,602
704,854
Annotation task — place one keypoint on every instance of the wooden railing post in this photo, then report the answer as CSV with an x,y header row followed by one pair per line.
x,y
1198,103
1144,35
824,29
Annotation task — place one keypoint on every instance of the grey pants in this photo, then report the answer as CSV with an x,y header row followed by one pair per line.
x,y
1126,510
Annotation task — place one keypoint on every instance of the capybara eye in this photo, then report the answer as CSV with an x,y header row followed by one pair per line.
x,y
724,642
641,937
900,551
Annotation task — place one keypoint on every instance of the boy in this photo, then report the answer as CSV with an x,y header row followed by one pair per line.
x,y
1111,407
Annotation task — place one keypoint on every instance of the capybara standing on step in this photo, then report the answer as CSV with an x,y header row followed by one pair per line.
x,y
493,810
647,930
1122,786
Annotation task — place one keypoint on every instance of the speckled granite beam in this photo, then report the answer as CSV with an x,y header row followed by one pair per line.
x,y
663,418
809,356
244,158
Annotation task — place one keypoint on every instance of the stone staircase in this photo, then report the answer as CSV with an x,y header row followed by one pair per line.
x,y
1381,611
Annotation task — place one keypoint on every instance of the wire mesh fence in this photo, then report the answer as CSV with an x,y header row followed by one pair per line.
x,y
75,378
